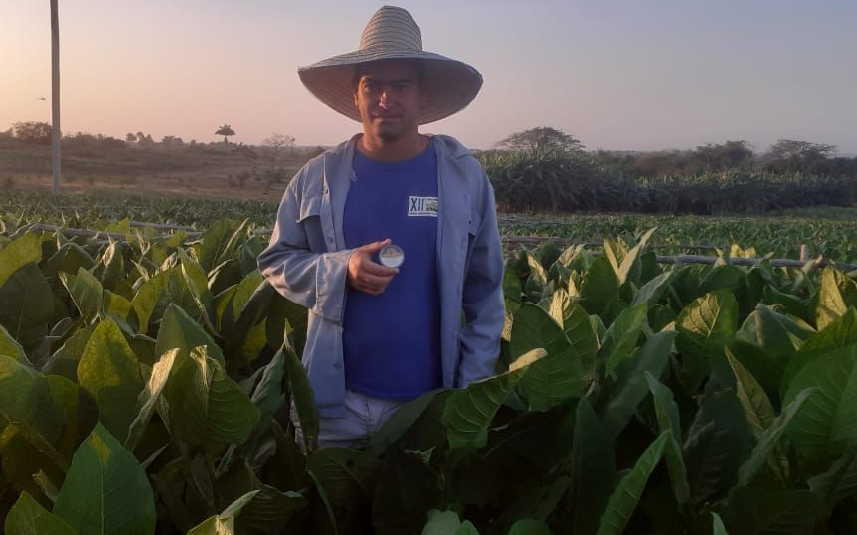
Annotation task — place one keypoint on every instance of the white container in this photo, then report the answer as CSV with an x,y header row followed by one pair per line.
x,y
391,256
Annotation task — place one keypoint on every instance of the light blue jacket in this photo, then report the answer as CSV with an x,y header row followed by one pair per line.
x,y
306,262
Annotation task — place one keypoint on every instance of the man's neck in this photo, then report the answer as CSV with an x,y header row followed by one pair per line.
x,y
403,148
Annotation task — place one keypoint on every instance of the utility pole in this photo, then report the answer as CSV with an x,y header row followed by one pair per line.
x,y
55,79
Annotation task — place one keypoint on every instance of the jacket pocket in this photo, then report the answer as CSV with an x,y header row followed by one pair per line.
x,y
472,230
309,218
310,206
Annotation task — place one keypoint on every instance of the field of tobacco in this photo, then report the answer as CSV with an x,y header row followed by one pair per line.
x,y
145,385
826,231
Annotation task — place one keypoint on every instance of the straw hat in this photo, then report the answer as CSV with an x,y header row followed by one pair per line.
x,y
392,34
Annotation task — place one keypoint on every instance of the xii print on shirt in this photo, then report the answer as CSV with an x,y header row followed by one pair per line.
x,y
422,206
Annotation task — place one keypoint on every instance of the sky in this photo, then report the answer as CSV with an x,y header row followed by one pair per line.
x,y
619,75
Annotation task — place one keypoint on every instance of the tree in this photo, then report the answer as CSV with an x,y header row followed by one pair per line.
x,y
798,155
225,131
131,138
542,139
33,132
727,155
795,149
279,143
171,141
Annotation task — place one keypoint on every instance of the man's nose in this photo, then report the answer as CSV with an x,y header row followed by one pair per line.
x,y
384,95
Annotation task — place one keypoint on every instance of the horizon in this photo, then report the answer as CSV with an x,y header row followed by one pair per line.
x,y
626,77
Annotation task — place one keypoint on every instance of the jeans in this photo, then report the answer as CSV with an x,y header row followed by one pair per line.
x,y
365,416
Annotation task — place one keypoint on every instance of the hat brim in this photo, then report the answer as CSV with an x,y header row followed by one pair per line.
x,y
450,84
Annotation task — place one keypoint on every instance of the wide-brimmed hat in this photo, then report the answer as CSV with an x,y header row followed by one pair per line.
x,y
392,34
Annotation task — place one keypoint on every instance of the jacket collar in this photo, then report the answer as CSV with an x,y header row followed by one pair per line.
x,y
338,173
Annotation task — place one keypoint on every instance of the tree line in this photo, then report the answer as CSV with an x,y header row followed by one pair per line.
x,y
784,156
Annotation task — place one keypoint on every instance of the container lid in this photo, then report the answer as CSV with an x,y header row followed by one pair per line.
x,y
391,256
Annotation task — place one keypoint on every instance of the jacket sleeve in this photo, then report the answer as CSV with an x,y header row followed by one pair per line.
x,y
314,279
482,298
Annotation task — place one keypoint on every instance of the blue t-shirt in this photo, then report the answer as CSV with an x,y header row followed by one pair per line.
x,y
391,342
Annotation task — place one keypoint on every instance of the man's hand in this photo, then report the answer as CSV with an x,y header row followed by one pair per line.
x,y
367,276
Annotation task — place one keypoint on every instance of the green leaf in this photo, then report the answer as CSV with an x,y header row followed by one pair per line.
x,y
11,348
28,307
398,424
468,412
718,440
583,335
302,396
757,406
769,438
345,474
827,425
26,402
117,308
534,327
624,499
197,283
218,242
838,482
202,406
269,511
27,517
760,511
594,469
68,259
80,413
529,526
286,469
179,330
268,393
830,303
537,270
111,270
622,336
560,303
447,523
552,379
600,286
631,387
666,412
106,491
224,523
149,397
791,304
66,359
840,332
252,292
776,333
707,324
22,251
252,300
110,372
631,259
717,525
723,277
651,292
705,327
86,292
147,297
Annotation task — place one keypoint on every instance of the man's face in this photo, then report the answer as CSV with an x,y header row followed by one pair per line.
x,y
389,98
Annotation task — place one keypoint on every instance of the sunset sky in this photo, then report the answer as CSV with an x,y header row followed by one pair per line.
x,y
629,75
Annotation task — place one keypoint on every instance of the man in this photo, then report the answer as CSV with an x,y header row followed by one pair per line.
x,y
379,336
